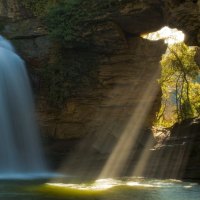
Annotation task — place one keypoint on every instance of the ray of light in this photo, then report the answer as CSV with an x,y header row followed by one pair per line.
x,y
172,163
142,164
168,161
83,160
167,164
129,89
122,150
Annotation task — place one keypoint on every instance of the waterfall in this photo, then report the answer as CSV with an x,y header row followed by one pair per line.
x,y
20,145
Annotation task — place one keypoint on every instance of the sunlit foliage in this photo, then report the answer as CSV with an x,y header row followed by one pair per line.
x,y
39,7
180,87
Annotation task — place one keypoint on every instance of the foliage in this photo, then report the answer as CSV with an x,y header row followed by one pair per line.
x,y
39,7
71,24
75,20
64,21
73,64
179,85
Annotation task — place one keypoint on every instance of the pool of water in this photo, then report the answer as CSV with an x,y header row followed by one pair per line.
x,y
105,189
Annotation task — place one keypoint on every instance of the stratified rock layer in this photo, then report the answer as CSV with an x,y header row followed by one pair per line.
x,y
177,154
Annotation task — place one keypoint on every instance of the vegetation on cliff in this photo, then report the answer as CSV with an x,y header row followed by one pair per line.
x,y
180,85
40,7
74,60
75,21
71,25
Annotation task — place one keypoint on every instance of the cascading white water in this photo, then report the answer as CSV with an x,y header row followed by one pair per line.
x,y
20,148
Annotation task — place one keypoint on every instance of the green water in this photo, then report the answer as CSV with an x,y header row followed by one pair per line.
x,y
108,189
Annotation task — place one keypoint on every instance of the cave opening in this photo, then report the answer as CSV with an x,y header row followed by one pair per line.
x,y
179,79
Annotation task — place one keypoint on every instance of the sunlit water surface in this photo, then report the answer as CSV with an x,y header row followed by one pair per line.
x,y
107,189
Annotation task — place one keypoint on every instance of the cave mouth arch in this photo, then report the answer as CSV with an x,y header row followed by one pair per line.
x,y
169,35
179,78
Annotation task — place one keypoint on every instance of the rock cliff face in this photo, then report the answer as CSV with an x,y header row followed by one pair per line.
x,y
129,63
177,154
184,15
10,9
107,107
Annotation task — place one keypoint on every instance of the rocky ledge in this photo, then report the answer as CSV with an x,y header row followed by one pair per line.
x,y
176,154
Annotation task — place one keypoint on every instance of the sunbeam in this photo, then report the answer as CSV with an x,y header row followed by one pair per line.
x,y
122,150
126,94
160,163
140,166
